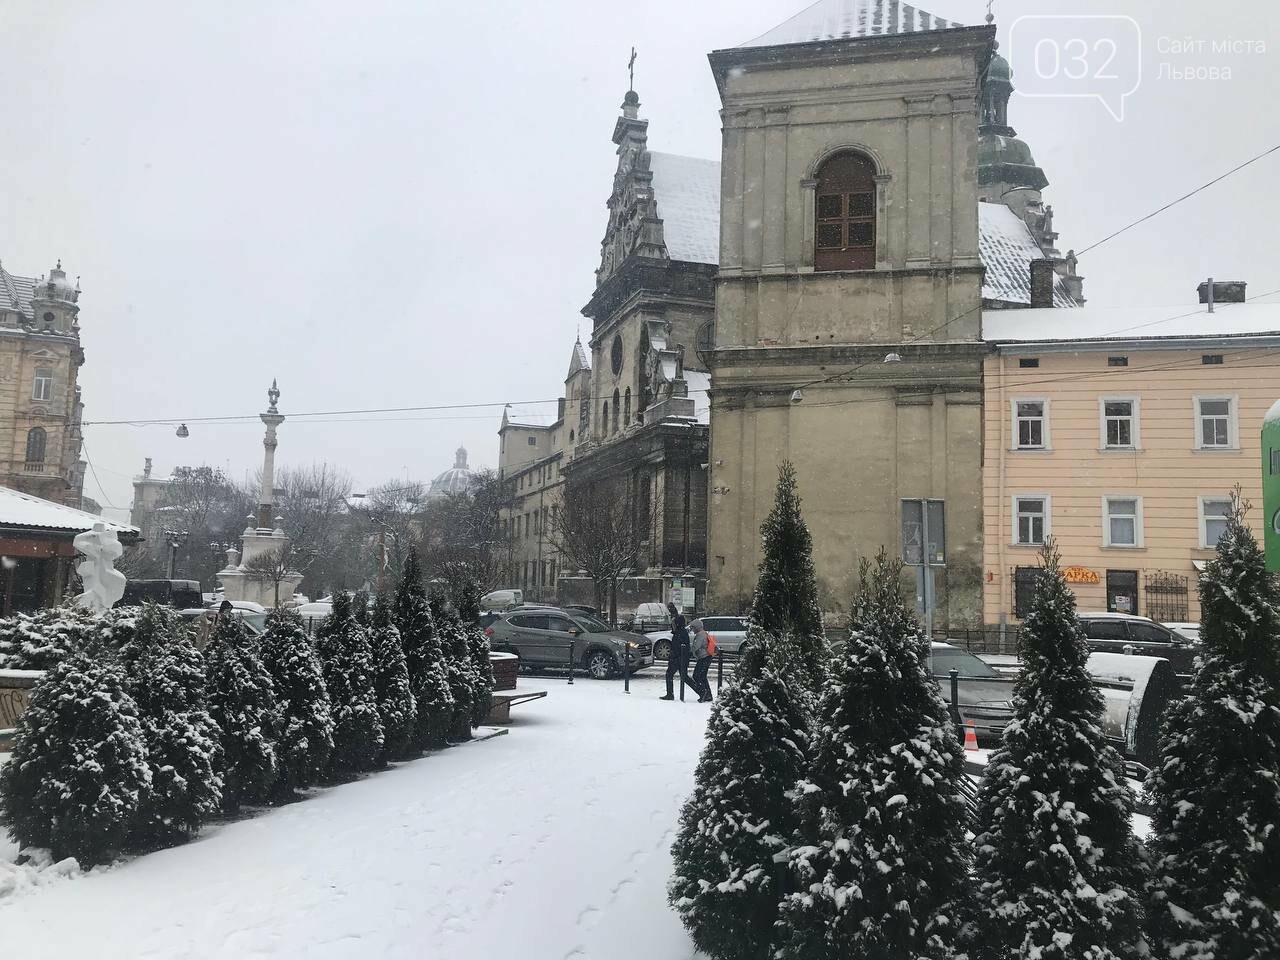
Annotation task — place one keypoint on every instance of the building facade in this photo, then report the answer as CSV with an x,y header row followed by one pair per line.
x,y
40,405
849,296
1121,433
634,414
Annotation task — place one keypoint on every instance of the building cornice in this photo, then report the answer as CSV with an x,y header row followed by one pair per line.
x,y
1100,345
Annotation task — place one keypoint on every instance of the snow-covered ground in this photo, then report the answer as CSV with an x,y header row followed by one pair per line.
x,y
551,842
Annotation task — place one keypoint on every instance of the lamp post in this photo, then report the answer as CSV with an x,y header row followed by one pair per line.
x,y
176,539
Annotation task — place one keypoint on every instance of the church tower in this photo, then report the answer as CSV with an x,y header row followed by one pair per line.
x,y
849,296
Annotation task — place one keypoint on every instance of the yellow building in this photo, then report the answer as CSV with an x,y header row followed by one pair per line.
x,y
40,408
1121,432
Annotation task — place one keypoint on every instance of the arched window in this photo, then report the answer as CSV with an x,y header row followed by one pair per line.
x,y
616,398
604,420
36,438
845,214
626,408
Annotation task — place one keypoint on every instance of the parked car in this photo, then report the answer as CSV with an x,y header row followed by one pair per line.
x,y
183,594
1140,636
646,618
581,608
730,634
313,613
541,637
501,600
203,617
983,694
1189,630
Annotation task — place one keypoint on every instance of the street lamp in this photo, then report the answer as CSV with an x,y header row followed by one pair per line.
x,y
176,539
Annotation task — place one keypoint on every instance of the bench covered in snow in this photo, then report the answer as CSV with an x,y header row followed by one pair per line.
x,y
506,670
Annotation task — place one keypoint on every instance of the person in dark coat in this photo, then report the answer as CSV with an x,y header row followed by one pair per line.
x,y
678,659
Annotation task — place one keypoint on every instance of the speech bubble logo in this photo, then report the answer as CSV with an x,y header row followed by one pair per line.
x,y
1063,55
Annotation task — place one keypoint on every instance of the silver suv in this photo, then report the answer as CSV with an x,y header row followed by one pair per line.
x,y
541,637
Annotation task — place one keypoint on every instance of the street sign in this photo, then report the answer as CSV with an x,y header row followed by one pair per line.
x,y
1271,486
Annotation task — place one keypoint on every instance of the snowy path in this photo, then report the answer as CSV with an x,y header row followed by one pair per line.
x,y
551,842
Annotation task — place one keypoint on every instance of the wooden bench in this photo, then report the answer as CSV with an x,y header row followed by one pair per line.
x,y
501,702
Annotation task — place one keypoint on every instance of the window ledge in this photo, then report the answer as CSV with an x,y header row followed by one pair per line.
x,y
1215,450
1031,449
1128,548
1120,449
1029,546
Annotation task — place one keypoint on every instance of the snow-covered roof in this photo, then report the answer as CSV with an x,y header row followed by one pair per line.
x,y
688,193
699,383
1178,321
18,509
842,19
16,292
1007,248
527,417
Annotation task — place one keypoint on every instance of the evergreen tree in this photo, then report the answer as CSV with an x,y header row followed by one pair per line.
x,y
165,675
78,776
396,706
785,609
1058,869
882,863
424,657
242,702
44,638
305,721
482,669
347,662
1215,893
362,608
458,669
741,813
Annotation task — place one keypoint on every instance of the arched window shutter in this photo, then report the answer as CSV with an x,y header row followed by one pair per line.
x,y
845,214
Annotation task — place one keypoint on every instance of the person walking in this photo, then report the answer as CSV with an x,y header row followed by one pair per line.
x,y
678,659
700,648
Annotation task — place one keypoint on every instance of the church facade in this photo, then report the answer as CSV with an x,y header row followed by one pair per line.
x,y
40,406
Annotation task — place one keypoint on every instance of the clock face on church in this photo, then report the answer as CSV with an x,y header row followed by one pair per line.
x,y
615,356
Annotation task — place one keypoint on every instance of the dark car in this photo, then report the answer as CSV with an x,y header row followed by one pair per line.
x,y
983,695
542,637
1125,633
180,594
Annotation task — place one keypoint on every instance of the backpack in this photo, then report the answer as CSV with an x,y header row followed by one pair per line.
x,y
711,645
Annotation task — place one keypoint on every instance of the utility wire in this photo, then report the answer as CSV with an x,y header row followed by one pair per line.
x,y
1174,203
92,469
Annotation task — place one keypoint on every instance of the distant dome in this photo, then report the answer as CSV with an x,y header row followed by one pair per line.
x,y
57,287
998,69
458,479
1004,159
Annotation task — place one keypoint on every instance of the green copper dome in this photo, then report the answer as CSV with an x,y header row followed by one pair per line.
x,y
998,70
1008,160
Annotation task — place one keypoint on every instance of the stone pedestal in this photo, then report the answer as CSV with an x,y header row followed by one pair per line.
x,y
238,584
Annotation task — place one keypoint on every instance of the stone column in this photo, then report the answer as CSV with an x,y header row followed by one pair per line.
x,y
272,418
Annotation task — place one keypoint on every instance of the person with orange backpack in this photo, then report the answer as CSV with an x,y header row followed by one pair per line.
x,y
702,646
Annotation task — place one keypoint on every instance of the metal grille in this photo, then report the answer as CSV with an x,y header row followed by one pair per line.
x,y
1166,597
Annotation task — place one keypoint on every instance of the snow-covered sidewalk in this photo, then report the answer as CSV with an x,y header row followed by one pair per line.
x,y
551,842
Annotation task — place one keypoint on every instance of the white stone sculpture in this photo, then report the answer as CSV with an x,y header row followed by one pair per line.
x,y
103,584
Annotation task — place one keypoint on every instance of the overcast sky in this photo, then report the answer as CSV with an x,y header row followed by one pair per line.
x,y
401,204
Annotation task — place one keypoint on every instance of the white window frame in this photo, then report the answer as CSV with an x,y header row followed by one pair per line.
x,y
1135,423
1233,417
1200,502
43,376
1048,518
1045,442
1138,543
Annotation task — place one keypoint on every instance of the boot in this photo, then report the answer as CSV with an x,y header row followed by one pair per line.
x,y
666,696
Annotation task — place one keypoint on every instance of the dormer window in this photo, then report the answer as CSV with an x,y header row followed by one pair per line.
x,y
42,385
845,214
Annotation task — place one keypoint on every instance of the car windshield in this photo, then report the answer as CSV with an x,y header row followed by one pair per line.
x,y
590,623
946,659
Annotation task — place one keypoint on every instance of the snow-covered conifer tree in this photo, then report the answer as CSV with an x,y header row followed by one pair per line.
x,y
458,668
396,707
424,656
785,608
43,638
467,602
1215,890
725,886
78,776
305,721
165,675
881,866
1059,872
243,703
347,662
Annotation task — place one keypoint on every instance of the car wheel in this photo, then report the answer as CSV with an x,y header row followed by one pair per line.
x,y
601,665
662,650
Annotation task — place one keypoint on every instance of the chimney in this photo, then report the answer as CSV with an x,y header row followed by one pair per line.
x,y
1042,277
1221,291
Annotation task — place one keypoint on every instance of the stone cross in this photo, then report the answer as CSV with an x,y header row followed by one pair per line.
x,y
631,70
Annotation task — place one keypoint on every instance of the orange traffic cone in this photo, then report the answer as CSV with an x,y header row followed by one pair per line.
x,y
970,735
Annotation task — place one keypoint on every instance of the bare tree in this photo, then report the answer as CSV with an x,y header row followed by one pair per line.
x,y
313,502
272,567
209,508
464,544
598,531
